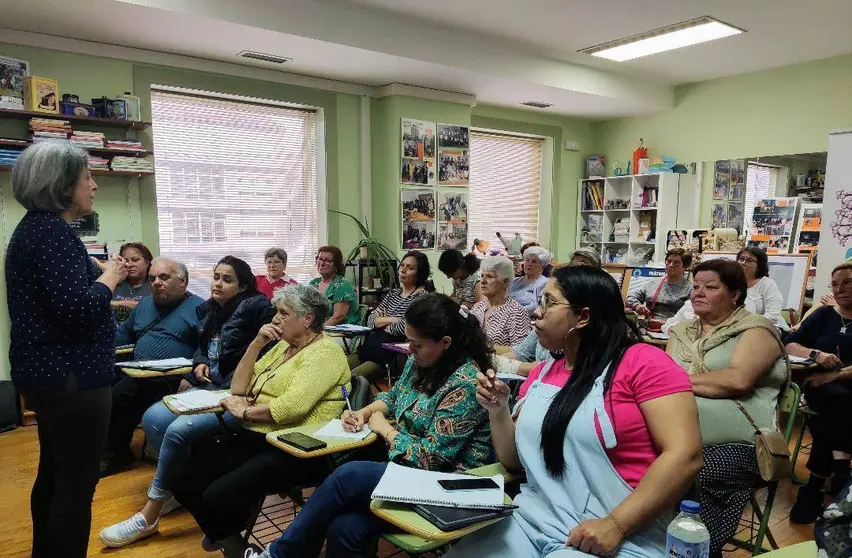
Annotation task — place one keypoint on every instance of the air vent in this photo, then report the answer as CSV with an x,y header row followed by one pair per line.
x,y
537,104
264,57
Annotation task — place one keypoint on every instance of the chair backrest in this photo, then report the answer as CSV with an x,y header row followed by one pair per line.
x,y
788,403
361,395
363,312
790,315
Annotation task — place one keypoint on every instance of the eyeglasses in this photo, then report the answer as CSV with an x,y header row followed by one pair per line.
x,y
746,260
674,263
323,260
544,303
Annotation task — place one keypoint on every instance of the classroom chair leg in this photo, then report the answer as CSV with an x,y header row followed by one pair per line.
x,y
796,449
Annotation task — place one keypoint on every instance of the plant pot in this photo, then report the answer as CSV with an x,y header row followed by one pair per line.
x,y
364,255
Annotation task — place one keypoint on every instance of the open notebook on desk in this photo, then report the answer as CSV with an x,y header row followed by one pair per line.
x,y
416,486
198,400
334,429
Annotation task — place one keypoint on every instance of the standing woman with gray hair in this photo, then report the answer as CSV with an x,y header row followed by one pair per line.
x,y
297,382
62,350
504,320
527,288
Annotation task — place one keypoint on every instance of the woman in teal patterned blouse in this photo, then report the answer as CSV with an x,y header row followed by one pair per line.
x,y
335,287
439,426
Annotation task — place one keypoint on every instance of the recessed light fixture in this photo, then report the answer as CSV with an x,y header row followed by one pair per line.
x,y
671,37
537,104
263,57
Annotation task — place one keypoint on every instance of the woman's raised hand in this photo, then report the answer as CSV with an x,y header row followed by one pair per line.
x,y
269,332
491,393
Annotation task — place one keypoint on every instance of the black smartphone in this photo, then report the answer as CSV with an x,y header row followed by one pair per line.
x,y
301,441
469,484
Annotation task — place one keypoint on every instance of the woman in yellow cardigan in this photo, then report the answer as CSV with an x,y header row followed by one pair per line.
x,y
297,382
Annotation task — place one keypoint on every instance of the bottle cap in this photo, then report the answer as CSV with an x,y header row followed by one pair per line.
x,y
690,506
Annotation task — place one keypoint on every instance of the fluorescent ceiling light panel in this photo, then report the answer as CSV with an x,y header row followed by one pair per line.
x,y
671,37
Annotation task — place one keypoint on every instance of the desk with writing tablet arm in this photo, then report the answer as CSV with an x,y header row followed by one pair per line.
x,y
143,373
333,445
167,401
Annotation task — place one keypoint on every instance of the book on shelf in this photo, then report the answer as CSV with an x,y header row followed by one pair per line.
x,y
592,196
648,198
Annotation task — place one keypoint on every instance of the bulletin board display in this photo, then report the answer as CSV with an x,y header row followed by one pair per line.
x,y
789,271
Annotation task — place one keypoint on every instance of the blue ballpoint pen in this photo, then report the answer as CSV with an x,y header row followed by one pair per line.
x,y
345,397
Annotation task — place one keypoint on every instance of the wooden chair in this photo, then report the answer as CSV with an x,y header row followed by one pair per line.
x,y
787,403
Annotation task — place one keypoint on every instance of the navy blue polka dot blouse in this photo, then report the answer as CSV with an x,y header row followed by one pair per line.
x,y
61,318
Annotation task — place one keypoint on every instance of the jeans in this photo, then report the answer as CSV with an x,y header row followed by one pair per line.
x,y
72,428
172,435
226,480
130,398
338,510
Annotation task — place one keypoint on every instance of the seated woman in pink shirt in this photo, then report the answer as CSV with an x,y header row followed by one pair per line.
x,y
594,431
276,276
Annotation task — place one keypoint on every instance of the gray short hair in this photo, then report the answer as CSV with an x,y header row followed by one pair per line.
x,y
279,253
304,300
501,265
46,174
542,254
180,270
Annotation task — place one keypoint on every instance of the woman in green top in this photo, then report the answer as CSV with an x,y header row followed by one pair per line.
x,y
335,287
439,426
735,360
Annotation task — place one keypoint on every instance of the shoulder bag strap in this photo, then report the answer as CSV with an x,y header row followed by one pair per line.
x,y
156,321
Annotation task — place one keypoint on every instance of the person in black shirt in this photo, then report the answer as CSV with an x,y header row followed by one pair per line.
x,y
826,337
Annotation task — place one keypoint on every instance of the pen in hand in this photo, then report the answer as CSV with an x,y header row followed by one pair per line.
x,y
348,405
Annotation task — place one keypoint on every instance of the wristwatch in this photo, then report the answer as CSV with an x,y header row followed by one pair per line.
x,y
813,354
246,415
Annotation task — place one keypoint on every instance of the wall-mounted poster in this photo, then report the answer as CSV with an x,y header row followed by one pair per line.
x,y
736,191
722,180
12,75
454,137
418,204
735,217
452,220
720,215
452,237
418,152
772,225
807,233
418,234
453,167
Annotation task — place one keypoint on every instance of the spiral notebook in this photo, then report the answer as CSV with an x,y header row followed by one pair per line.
x,y
416,486
198,400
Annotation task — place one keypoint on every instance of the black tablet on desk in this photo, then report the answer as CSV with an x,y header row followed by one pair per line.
x,y
451,519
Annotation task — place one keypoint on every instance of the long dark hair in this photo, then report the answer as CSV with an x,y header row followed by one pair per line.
x,y
424,270
436,316
452,260
220,314
602,343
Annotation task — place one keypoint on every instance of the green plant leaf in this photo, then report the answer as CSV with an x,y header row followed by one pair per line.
x,y
364,230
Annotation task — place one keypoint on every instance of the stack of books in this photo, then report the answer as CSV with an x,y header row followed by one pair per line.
x,y
593,196
98,163
122,163
124,144
48,129
88,140
9,156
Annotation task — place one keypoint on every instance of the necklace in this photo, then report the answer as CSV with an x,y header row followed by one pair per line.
x,y
845,324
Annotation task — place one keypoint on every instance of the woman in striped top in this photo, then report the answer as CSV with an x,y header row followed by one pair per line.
x,y
387,319
504,320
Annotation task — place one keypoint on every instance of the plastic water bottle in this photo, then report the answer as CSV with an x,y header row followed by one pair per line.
x,y
687,536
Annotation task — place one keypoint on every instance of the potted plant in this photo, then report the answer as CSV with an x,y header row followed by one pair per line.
x,y
372,250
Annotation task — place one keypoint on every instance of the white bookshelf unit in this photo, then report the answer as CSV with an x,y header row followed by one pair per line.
x,y
625,218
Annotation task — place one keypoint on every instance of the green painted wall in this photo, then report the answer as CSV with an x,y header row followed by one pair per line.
x,y
780,111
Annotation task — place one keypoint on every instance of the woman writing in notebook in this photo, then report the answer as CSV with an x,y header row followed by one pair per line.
x,y
439,426
593,431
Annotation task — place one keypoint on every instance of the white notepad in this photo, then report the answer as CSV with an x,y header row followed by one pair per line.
x,y
799,360
198,400
162,364
416,486
348,328
334,429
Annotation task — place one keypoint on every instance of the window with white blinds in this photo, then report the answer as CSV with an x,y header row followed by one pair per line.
x,y
505,180
761,181
234,178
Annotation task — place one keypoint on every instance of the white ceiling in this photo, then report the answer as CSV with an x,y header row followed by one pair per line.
x,y
501,51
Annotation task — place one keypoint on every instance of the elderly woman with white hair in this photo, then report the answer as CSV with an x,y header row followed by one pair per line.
x,y
297,382
504,320
62,340
527,288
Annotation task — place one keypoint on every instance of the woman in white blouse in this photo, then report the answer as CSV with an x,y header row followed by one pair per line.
x,y
763,296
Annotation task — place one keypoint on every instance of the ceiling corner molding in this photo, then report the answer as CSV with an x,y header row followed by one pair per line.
x,y
403,90
142,56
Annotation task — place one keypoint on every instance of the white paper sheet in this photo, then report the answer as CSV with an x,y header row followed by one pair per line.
x,y
334,429
417,486
162,364
198,399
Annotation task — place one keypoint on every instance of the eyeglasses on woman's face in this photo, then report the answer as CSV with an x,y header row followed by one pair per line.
x,y
545,302
745,260
674,263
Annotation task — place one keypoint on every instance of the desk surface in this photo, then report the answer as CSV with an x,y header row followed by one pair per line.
x,y
401,348
335,445
167,401
124,351
142,373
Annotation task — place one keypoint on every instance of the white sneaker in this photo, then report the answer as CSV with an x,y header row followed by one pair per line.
x,y
170,506
128,531
252,553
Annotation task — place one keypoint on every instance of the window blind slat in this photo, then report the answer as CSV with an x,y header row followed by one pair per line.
x,y
234,178
505,178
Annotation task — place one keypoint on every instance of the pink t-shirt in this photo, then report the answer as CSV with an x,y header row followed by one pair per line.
x,y
644,373
268,288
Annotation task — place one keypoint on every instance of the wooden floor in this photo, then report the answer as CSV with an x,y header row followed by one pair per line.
x,y
120,496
